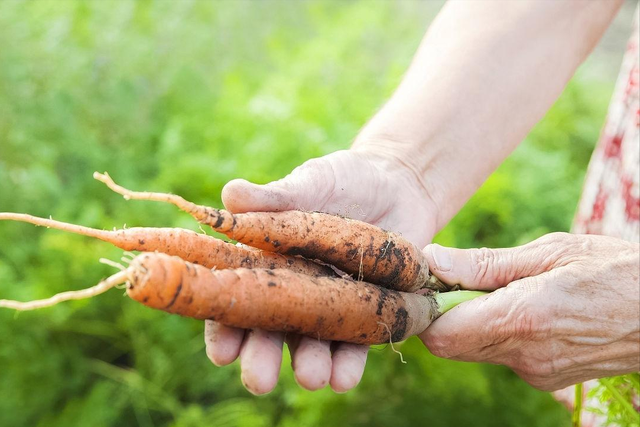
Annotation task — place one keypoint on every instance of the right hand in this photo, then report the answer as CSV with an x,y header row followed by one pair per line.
x,y
361,184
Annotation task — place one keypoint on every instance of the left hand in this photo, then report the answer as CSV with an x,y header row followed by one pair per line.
x,y
566,308
375,187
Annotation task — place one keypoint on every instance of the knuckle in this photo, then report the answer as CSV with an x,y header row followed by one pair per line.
x,y
483,261
560,248
555,238
305,173
309,164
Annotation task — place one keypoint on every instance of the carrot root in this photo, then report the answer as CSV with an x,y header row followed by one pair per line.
x,y
98,289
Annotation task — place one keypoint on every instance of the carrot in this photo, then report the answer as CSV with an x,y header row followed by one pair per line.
x,y
327,308
188,245
280,300
355,247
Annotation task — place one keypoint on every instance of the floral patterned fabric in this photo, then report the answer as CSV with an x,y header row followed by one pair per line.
x,y
610,203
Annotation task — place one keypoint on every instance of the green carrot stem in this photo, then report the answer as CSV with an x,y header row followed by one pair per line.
x,y
577,406
447,300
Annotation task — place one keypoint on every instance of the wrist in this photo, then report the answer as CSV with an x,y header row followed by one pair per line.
x,y
397,156
393,138
436,168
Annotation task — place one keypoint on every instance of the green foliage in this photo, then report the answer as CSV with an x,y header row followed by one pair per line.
x,y
619,395
182,97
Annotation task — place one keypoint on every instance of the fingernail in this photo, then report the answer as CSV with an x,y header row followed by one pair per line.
x,y
442,257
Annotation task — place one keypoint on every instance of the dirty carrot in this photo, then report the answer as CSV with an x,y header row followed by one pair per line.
x,y
188,245
362,250
327,308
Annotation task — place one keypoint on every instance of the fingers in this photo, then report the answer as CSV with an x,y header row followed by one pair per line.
x,y
311,361
348,366
260,360
222,342
491,327
314,365
489,269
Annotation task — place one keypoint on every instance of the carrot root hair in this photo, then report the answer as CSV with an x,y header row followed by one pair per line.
x,y
102,287
58,225
393,348
173,199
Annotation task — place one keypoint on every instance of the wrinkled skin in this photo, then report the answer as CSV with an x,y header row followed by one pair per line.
x,y
566,308
375,188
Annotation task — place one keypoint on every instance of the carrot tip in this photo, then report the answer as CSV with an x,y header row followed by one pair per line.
x,y
100,288
391,342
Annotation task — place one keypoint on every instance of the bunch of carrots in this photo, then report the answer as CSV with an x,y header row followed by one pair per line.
x,y
309,273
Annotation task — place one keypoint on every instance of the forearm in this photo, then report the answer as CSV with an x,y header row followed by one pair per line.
x,y
484,74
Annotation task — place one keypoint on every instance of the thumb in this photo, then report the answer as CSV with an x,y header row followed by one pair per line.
x,y
487,328
489,269
301,189
241,196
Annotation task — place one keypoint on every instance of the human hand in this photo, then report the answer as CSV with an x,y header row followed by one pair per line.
x,y
566,308
375,188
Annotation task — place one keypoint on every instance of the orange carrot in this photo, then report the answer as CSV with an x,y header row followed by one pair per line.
x,y
363,250
328,308
188,245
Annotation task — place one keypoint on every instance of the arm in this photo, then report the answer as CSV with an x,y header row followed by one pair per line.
x,y
484,75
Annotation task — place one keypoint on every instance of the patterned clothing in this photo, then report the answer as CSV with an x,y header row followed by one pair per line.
x,y
610,203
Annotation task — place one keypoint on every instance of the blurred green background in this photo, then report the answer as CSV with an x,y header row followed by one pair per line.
x,y
184,96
